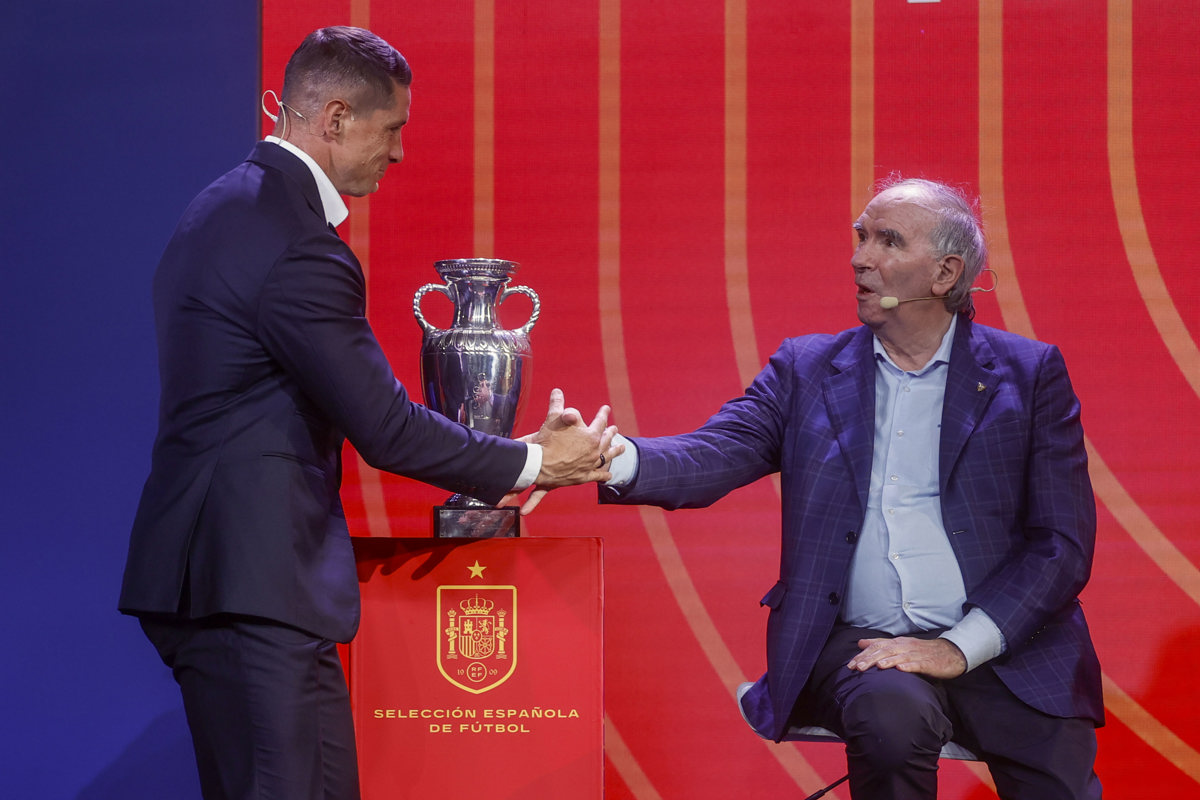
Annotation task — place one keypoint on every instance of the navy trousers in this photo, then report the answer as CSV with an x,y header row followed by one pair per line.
x,y
895,724
267,706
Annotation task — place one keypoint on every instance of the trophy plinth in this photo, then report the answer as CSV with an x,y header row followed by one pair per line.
x,y
461,521
474,372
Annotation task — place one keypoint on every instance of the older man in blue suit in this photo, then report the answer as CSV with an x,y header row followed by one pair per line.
x,y
938,522
240,565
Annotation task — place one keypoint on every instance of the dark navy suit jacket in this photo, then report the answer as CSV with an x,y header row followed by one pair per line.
x,y
1016,501
267,363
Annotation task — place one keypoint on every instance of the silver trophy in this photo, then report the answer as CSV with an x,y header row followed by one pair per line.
x,y
474,372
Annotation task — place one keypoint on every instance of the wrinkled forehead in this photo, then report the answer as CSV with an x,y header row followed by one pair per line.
x,y
902,207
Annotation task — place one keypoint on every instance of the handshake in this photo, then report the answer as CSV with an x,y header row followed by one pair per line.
x,y
572,453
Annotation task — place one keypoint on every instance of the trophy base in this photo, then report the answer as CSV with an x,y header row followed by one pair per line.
x,y
476,523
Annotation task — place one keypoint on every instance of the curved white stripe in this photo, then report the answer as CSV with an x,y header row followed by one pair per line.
x,y
1150,730
1016,318
626,763
485,129
1122,168
737,269
612,333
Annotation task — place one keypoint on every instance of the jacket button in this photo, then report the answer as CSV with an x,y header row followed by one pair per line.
x,y
852,537
834,598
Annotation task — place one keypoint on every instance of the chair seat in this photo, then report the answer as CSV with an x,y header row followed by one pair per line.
x,y
814,733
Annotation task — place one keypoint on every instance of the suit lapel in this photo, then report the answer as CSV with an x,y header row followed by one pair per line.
x,y
852,419
971,383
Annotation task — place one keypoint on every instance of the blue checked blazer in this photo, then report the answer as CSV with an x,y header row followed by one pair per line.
x,y
1016,500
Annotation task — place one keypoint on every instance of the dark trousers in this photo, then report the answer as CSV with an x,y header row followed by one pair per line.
x,y
895,724
267,706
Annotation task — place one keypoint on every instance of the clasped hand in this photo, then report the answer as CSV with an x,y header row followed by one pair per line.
x,y
572,453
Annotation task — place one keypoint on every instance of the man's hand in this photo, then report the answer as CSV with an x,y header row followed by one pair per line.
x,y
937,658
572,453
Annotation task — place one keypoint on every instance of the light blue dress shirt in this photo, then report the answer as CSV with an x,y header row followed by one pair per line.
x,y
904,577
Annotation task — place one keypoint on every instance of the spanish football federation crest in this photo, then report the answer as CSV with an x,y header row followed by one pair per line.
x,y
477,639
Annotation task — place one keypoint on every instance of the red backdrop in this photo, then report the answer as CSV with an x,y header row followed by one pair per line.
x,y
677,179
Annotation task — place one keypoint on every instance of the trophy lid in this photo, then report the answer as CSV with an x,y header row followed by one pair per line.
x,y
476,268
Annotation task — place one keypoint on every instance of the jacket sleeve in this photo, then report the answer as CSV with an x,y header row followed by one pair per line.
x,y
311,318
739,444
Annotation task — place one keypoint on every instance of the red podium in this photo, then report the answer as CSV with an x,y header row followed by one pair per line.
x,y
477,669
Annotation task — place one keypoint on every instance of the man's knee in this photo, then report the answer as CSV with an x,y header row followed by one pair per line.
x,y
893,728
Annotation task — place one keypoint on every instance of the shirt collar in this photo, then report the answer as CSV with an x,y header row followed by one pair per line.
x,y
332,203
942,356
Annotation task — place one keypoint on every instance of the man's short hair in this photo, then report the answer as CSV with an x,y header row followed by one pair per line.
x,y
958,232
347,63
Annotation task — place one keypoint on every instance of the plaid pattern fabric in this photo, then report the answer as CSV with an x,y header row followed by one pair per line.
x,y
1016,499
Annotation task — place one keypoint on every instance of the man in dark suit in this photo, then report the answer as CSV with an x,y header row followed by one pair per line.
x,y
938,522
240,565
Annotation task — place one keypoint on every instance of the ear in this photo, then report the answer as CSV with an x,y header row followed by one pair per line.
x,y
333,118
949,270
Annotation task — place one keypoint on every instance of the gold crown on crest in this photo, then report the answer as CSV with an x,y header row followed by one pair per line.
x,y
476,606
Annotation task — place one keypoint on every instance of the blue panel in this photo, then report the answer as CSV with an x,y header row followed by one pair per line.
x,y
119,113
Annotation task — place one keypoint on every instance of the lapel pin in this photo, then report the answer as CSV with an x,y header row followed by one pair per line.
x,y
979,387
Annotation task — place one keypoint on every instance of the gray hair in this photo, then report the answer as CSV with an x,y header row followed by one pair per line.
x,y
958,232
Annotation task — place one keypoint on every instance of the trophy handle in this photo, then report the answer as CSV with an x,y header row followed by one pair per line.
x,y
537,305
424,290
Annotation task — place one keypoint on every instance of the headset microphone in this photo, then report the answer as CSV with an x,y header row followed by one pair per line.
x,y
891,302
888,303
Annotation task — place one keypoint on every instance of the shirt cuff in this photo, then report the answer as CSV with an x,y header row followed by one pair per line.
x,y
533,465
977,637
623,467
